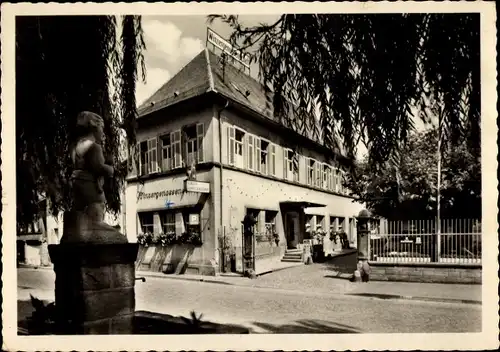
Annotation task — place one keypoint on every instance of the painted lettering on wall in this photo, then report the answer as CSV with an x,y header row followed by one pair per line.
x,y
159,194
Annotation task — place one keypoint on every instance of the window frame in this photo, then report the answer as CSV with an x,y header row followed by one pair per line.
x,y
164,221
150,166
289,165
147,225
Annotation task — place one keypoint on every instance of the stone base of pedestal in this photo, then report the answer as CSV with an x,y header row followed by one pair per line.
x,y
94,287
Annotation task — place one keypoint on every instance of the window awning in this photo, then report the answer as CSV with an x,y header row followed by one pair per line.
x,y
302,204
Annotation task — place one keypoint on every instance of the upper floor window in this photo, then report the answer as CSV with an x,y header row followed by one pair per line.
x,y
337,180
235,146
327,176
172,150
291,165
342,176
265,156
310,172
148,161
193,146
318,173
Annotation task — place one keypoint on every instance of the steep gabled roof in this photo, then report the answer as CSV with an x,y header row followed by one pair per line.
x,y
191,81
204,74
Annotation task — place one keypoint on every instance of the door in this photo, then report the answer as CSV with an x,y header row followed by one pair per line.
x,y
292,227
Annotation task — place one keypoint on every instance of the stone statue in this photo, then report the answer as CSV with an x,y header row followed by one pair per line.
x,y
85,222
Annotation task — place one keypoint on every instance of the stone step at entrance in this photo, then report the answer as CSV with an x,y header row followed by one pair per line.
x,y
293,256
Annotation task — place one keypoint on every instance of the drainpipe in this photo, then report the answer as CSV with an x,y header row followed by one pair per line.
x,y
221,173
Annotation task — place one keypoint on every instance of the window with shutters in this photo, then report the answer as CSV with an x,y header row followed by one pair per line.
x,y
291,165
331,180
310,168
235,147
167,160
265,157
337,183
167,219
176,148
318,174
146,222
148,161
342,177
191,145
239,137
326,176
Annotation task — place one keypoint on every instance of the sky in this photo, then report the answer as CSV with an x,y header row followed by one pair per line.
x,y
172,41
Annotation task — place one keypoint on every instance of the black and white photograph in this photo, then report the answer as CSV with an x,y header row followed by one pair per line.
x,y
320,174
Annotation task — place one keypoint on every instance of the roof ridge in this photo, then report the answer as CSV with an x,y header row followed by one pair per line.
x,y
211,85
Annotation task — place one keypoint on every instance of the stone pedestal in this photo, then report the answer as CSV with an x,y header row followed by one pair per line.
x,y
94,287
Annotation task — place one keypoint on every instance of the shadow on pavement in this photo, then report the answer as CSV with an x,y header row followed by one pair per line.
x,y
308,326
144,322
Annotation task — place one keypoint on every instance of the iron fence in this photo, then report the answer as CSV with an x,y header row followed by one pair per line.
x,y
418,241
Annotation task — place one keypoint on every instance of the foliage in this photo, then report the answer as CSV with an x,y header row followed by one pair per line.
x,y
145,239
194,322
191,237
56,78
43,318
365,73
165,239
414,194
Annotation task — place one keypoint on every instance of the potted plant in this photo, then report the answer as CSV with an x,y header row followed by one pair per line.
x,y
191,237
145,239
166,239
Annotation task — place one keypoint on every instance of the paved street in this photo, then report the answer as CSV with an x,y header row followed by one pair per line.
x,y
279,310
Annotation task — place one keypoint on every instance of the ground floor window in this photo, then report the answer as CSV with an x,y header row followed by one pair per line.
x,y
167,219
146,221
270,222
192,228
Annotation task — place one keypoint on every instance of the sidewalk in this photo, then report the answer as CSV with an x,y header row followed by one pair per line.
x,y
315,279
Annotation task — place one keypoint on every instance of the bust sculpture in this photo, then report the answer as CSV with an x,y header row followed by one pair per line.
x,y
85,222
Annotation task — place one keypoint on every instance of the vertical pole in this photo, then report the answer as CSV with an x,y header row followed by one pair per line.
x,y
438,215
224,248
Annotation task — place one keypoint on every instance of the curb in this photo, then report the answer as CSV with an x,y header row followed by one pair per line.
x,y
179,277
416,298
24,266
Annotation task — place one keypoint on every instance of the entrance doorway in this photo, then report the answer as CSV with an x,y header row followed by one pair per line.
x,y
292,229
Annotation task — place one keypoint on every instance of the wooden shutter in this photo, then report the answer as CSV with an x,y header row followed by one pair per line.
x,y
272,159
139,172
251,158
257,154
200,132
230,145
176,143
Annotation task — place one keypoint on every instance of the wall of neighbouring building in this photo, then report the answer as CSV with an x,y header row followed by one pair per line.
x,y
438,273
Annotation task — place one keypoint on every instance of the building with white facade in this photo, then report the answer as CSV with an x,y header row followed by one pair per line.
x,y
216,116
